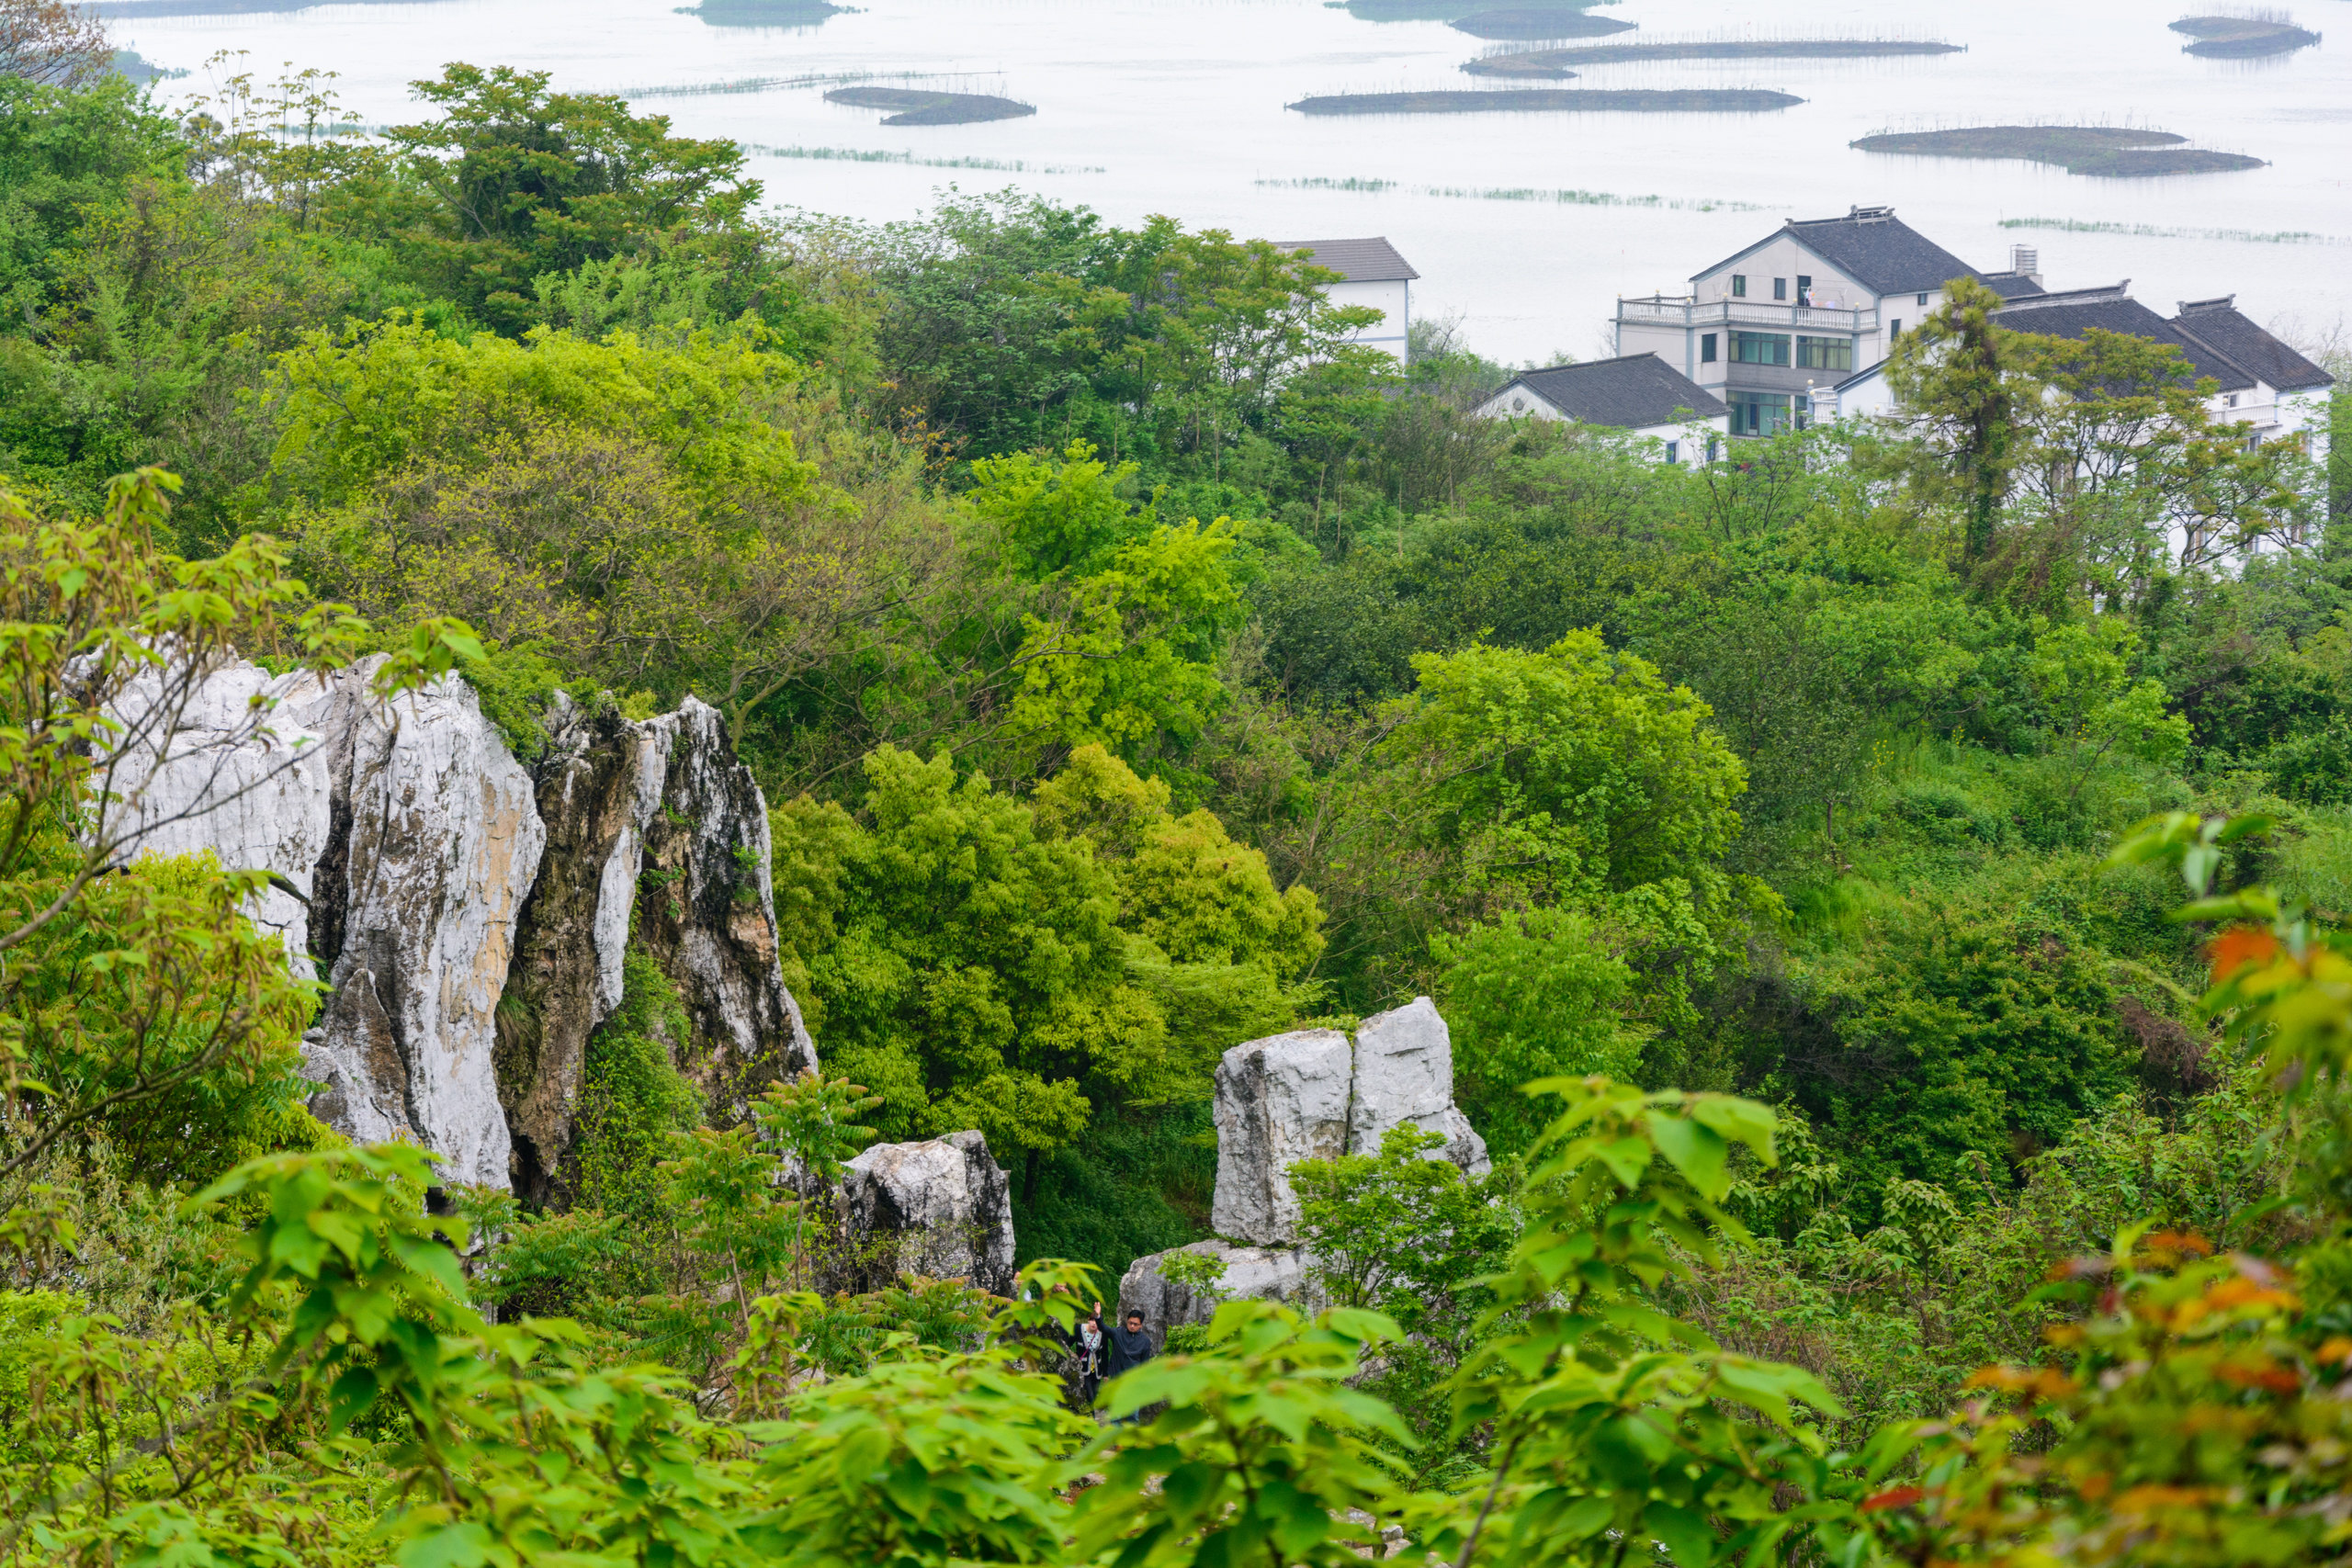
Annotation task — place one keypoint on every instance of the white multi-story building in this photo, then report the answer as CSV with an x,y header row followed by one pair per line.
x,y
1772,327
1372,274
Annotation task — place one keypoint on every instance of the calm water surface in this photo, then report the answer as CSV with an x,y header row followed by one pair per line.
x,y
1178,102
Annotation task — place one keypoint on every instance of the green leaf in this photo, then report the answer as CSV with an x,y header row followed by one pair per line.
x,y
1699,1152
1684,1534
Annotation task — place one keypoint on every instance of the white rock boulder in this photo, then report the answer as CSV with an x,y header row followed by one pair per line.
x,y
1265,1273
941,1208
1279,1101
1404,1073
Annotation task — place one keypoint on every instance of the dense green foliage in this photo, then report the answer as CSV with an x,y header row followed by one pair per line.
x,y
1137,668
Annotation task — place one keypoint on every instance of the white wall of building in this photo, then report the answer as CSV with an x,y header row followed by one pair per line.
x,y
1393,298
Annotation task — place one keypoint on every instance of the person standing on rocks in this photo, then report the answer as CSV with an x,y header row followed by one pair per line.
x,y
1091,1342
1129,1347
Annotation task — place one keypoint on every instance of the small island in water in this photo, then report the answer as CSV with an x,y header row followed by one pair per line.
x,y
1556,63
919,106
1567,11
1555,100
762,13
1546,22
2243,37
2100,149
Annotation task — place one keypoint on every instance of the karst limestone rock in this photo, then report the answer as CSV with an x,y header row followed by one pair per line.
x,y
1279,1101
470,914
223,764
437,842
1404,1073
1264,1273
707,904
941,1208
657,820
1311,1094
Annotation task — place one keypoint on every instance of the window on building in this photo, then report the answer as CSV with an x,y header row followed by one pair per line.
x,y
1804,290
1706,348
1714,448
1761,348
1894,329
1780,288
1826,353
1674,451
2234,400
1739,286
1923,299
1804,411
1759,413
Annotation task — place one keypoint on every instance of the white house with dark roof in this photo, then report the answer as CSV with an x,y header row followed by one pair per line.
x,y
1773,326
1372,274
2259,382
1636,392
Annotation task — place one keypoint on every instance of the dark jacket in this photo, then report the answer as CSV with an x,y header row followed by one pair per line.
x,y
1125,1349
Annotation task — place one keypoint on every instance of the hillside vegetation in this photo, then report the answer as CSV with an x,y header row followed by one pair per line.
x,y
1909,863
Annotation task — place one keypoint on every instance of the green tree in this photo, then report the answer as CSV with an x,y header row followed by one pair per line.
x,y
518,182
1534,993
983,962
1962,401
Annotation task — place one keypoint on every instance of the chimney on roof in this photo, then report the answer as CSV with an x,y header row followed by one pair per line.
x,y
2193,306
2026,262
1870,214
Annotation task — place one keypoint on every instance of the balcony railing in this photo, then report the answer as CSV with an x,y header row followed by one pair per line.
x,y
1673,311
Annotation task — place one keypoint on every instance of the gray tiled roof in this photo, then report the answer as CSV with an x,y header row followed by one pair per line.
x,y
2010,285
2218,324
1374,260
1630,394
2072,313
1872,246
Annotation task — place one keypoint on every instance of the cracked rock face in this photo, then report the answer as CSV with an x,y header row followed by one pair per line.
x,y
707,905
1279,1101
247,782
941,1208
1265,1273
656,821
1404,1073
471,915
438,842
1312,1095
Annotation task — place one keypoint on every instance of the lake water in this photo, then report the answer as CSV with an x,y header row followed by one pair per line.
x,y
1179,104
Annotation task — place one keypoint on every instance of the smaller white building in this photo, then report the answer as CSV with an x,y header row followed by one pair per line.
x,y
1372,274
2259,383
1636,392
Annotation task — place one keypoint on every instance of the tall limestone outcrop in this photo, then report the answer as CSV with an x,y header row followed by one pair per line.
x,y
1279,1101
434,842
655,821
1312,1094
470,915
